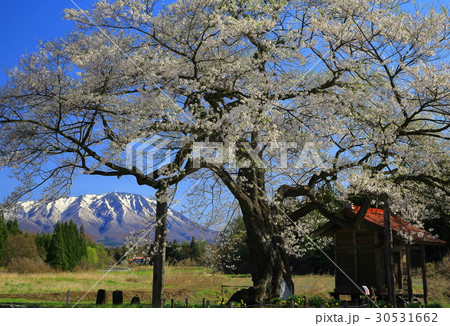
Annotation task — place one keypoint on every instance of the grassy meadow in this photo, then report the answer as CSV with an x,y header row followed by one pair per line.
x,y
195,283
181,282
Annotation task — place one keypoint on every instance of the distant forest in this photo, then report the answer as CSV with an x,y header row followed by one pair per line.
x,y
67,248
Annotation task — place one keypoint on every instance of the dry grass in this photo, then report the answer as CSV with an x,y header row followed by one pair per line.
x,y
438,277
314,285
183,282
439,281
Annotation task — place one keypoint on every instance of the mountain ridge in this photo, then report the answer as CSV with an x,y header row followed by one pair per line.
x,y
108,218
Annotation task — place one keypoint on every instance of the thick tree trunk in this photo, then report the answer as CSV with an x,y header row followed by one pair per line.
x,y
271,274
160,243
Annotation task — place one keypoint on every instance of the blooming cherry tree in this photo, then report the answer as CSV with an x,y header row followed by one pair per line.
x,y
362,85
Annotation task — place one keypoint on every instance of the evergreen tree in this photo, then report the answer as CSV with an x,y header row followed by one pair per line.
x,y
185,250
71,241
119,252
194,250
57,252
13,227
3,238
67,246
43,242
82,243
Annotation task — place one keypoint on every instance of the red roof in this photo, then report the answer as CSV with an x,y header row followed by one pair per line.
x,y
375,216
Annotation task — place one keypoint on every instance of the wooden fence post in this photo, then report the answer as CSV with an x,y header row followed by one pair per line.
x,y
187,302
68,297
207,303
204,302
172,303
101,297
117,298
135,300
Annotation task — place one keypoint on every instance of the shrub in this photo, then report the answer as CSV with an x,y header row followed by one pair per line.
x,y
384,304
3,238
316,302
333,303
413,305
276,301
96,257
188,262
433,305
299,301
24,265
20,246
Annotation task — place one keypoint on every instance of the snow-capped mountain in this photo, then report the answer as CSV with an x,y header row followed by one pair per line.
x,y
108,218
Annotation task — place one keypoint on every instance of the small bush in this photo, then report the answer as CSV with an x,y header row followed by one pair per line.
x,y
24,265
333,303
276,301
384,304
299,301
413,305
316,302
433,305
188,262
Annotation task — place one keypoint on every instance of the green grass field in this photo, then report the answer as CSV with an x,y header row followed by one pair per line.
x,y
194,283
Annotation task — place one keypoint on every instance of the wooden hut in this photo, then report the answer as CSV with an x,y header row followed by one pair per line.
x,y
359,252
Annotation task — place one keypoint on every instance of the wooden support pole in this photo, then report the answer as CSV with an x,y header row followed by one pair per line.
x,y
68,297
187,302
408,274
336,271
160,242
390,280
424,274
204,303
355,257
172,303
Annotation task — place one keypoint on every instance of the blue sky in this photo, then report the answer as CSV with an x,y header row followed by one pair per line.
x,y
22,24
